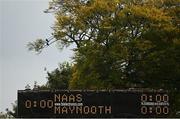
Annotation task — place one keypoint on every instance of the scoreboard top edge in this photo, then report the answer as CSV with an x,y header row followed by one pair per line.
x,y
115,90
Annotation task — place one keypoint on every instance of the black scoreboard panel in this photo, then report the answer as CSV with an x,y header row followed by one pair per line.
x,y
104,104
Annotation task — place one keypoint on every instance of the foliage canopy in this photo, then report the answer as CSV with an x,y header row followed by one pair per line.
x,y
120,43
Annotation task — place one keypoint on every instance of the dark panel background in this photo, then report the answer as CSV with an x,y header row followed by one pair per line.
x,y
124,103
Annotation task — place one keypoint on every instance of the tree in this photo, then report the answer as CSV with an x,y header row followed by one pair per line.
x,y
2,115
10,113
120,43
59,78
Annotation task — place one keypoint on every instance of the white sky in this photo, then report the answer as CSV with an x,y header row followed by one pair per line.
x,y
22,21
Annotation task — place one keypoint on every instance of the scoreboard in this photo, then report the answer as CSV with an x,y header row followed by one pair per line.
x,y
93,103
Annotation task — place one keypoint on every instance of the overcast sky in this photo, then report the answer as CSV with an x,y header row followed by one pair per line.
x,y
22,21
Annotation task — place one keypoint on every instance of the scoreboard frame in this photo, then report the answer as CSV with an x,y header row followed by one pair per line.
x,y
93,103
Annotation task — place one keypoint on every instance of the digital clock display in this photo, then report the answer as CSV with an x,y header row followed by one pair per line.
x,y
79,103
